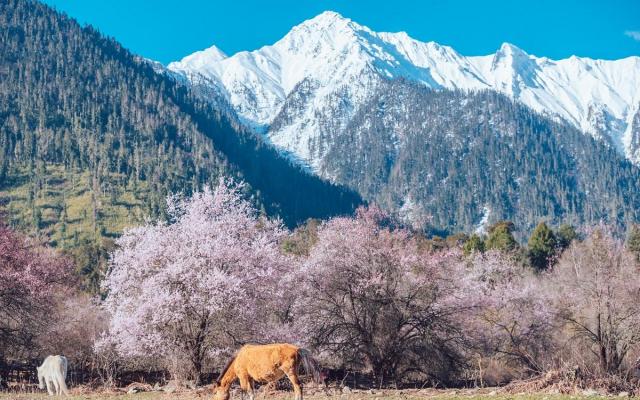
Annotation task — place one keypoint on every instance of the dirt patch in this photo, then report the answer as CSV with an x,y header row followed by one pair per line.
x,y
572,382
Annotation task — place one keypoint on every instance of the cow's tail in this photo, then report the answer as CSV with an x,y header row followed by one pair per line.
x,y
310,365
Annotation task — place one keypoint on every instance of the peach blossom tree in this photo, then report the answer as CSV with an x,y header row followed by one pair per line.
x,y
32,277
375,302
198,285
596,292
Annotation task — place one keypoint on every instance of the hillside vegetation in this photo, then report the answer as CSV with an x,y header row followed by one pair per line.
x,y
93,138
451,159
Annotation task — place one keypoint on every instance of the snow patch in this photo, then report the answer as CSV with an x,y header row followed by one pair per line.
x,y
481,228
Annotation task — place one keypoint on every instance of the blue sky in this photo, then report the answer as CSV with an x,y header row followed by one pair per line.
x,y
167,30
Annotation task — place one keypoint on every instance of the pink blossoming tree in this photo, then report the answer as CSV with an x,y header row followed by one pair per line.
x,y
513,320
197,286
596,291
374,301
32,277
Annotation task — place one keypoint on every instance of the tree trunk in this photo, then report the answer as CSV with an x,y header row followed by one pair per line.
x,y
197,355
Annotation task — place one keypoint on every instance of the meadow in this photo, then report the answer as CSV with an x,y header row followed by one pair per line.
x,y
66,207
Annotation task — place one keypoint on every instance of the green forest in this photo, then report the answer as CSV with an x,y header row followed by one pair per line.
x,y
93,139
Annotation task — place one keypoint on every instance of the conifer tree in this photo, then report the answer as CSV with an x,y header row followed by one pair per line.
x,y
633,240
474,244
565,235
542,246
501,237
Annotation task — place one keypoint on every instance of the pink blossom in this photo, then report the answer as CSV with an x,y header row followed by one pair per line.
x,y
198,285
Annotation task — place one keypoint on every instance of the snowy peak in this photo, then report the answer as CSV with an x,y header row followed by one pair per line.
x,y
341,62
327,21
328,27
214,54
512,58
320,36
508,50
199,59
513,70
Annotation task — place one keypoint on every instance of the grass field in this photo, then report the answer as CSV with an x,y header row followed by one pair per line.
x,y
67,207
485,394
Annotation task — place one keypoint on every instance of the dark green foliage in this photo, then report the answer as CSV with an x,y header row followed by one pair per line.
x,y
565,235
501,237
76,101
302,239
457,155
542,246
633,240
474,244
91,262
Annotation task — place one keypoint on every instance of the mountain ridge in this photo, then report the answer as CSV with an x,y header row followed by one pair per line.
x,y
596,96
425,132
457,161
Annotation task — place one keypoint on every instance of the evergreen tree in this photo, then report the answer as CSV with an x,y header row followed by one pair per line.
x,y
433,146
80,116
633,240
501,237
565,235
302,239
474,244
542,246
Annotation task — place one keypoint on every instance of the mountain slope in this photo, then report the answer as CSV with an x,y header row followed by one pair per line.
x,y
92,137
345,60
453,159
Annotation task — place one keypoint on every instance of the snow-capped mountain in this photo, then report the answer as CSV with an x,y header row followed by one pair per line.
x,y
312,81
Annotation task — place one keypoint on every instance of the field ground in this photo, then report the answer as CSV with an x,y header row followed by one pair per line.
x,y
430,394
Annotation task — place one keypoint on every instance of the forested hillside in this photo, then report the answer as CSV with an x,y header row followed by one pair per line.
x,y
454,159
92,139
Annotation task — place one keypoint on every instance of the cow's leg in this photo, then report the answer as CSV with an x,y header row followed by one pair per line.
x,y
295,382
252,393
246,385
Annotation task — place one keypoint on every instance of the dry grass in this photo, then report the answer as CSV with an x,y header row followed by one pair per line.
x,y
432,394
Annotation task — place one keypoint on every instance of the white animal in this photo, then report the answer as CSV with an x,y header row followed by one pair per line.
x,y
53,373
